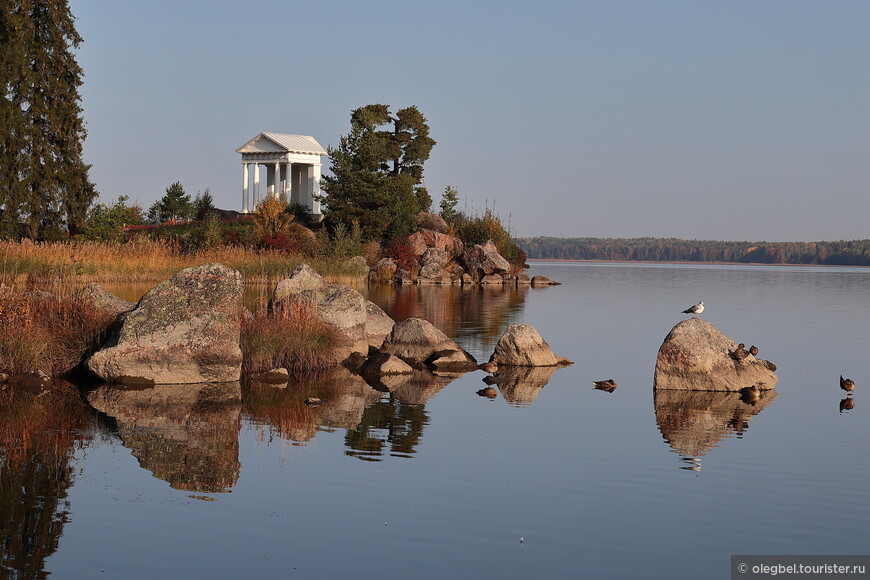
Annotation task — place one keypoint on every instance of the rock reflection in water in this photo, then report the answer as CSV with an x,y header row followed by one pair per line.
x,y
282,411
520,386
693,422
394,424
186,435
491,307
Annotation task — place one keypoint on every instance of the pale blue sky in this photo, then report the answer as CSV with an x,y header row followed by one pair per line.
x,y
738,120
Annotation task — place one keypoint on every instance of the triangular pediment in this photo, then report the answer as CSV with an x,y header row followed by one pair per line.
x,y
282,143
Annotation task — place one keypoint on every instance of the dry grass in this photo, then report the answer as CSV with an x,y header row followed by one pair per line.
x,y
145,260
293,337
48,332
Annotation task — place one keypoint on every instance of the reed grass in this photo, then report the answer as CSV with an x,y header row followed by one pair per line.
x,y
292,336
146,260
51,332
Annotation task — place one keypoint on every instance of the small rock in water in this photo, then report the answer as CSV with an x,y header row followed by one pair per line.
x,y
311,401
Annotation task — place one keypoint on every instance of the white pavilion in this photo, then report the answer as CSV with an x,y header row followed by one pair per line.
x,y
292,169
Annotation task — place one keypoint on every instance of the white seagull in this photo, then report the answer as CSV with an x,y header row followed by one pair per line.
x,y
696,309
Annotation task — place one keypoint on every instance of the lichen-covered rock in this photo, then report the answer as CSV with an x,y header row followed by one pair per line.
x,y
303,278
434,256
378,324
106,301
696,356
184,330
522,346
484,259
403,276
356,266
415,341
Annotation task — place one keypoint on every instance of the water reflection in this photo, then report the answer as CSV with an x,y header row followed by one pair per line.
x,y
475,315
693,422
38,436
847,404
520,386
283,413
186,435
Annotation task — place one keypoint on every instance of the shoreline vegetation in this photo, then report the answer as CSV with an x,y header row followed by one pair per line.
x,y
676,250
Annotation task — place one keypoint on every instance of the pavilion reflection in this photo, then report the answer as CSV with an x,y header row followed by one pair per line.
x,y
694,422
186,435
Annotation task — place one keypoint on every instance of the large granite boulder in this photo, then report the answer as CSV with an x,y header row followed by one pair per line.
x,y
184,330
383,271
424,239
696,356
417,342
522,346
484,259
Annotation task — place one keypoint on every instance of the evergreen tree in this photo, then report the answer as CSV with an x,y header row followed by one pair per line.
x,y
176,204
449,201
44,180
377,173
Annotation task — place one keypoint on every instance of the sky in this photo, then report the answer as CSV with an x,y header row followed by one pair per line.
x,y
739,120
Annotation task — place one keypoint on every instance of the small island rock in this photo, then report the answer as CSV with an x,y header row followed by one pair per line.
x,y
696,356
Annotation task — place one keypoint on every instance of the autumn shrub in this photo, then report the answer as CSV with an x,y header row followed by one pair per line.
x,y
478,229
402,253
48,332
290,335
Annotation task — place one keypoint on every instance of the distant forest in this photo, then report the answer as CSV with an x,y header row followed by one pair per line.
x,y
841,253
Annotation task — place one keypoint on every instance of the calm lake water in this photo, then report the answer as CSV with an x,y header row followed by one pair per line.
x,y
551,479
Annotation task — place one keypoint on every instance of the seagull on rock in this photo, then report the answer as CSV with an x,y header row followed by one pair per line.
x,y
696,309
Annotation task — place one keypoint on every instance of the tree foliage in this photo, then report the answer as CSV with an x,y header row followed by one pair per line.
x,y
44,184
449,201
106,222
173,206
851,252
377,172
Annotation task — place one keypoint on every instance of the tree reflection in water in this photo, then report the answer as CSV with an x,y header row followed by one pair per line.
x,y
693,422
39,434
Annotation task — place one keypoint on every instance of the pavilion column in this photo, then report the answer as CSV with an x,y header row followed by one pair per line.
x,y
245,180
285,182
256,184
314,187
276,188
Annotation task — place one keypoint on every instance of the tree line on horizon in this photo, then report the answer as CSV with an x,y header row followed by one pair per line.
x,y
839,253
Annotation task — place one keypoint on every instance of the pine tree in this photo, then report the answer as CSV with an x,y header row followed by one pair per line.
x,y
45,181
377,172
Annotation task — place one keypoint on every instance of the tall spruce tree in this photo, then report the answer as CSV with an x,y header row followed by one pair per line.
x,y
45,182
377,172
